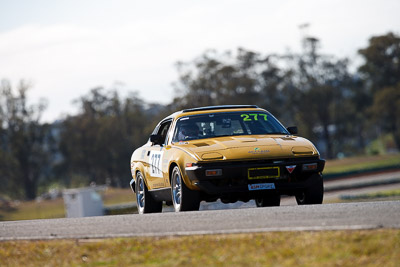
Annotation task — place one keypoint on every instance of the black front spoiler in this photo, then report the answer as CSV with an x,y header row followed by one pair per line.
x,y
234,177
282,187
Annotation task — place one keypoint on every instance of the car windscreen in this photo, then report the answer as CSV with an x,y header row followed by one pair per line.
x,y
226,124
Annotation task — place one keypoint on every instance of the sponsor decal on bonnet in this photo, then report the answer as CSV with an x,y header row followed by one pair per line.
x,y
257,150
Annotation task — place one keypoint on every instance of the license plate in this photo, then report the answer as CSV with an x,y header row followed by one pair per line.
x,y
263,172
263,186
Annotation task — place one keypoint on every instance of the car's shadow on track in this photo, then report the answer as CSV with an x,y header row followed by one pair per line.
x,y
218,205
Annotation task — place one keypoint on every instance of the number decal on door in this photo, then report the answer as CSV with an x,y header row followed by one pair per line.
x,y
155,161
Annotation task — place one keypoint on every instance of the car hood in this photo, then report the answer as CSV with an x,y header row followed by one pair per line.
x,y
249,147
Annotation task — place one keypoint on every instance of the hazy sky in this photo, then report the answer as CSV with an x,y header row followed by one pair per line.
x,y
66,48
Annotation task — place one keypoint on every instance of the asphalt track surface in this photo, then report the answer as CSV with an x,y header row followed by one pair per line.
x,y
342,216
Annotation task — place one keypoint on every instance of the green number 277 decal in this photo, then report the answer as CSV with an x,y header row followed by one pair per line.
x,y
254,117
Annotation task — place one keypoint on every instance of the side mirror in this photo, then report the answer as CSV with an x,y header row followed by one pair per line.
x,y
292,129
156,139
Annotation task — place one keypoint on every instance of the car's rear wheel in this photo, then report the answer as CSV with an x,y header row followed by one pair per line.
x,y
145,202
314,194
183,198
268,200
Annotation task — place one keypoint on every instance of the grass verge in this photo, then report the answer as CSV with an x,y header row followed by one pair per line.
x,y
26,210
381,195
361,163
49,209
328,248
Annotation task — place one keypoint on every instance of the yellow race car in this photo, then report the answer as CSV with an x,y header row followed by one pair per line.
x,y
232,153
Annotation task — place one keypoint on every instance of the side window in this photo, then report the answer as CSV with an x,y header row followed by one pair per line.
x,y
163,130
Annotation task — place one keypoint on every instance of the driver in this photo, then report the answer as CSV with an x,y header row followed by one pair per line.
x,y
188,132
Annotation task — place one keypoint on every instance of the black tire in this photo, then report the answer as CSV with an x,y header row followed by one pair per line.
x,y
314,194
145,202
183,198
269,200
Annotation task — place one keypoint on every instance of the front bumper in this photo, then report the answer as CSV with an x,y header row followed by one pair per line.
x,y
233,177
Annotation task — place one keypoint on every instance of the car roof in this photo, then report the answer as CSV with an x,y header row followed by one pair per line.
x,y
218,107
207,109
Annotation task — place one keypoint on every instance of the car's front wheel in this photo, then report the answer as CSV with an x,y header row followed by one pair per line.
x,y
183,198
314,194
145,202
268,200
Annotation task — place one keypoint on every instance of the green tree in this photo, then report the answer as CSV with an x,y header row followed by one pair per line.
x,y
215,79
381,66
386,111
96,144
25,142
318,97
381,75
